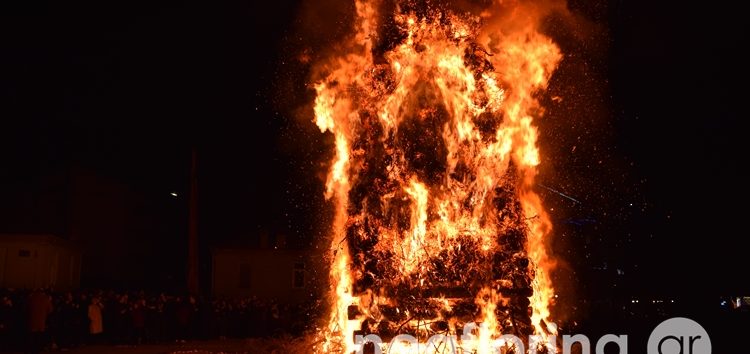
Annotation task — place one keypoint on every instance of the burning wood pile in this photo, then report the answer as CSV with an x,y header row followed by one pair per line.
x,y
446,285
437,223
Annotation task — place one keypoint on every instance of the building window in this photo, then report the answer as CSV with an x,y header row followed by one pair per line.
x,y
245,276
298,279
24,253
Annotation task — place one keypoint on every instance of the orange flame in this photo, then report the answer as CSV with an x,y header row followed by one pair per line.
x,y
444,119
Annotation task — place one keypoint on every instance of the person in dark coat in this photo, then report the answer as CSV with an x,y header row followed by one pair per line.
x,y
183,316
6,322
138,318
69,322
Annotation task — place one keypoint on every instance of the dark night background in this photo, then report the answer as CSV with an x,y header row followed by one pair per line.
x,y
102,103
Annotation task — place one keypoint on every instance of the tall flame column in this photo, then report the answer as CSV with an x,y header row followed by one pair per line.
x,y
437,223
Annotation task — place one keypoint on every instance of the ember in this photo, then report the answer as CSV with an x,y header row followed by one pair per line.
x,y
437,222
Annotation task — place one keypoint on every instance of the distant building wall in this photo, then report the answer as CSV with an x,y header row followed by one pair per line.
x,y
33,261
267,274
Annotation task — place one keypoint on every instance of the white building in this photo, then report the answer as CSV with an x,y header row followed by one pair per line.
x,y
282,275
39,260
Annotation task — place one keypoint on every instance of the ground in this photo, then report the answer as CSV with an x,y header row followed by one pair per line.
x,y
285,345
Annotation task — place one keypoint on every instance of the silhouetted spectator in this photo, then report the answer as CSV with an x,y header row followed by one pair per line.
x,y
138,317
69,322
183,313
96,323
6,322
39,307
122,320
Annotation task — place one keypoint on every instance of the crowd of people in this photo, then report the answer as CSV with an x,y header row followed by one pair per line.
x,y
33,320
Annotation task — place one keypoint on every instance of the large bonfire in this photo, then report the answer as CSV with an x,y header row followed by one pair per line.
x,y
437,221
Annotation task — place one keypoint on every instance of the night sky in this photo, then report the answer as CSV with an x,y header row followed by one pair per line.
x,y
107,99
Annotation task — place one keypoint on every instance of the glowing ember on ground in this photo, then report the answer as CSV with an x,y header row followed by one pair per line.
x,y
437,222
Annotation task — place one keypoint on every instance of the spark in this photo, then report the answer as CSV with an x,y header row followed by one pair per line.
x,y
560,193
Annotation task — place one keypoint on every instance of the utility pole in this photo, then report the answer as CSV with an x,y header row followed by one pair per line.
x,y
193,255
